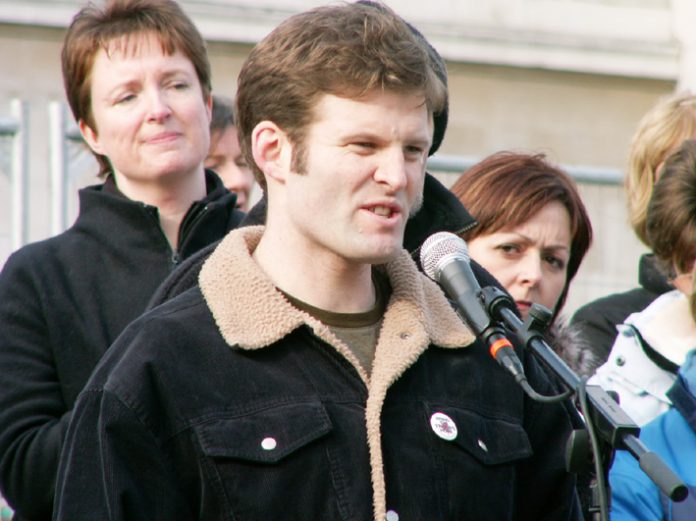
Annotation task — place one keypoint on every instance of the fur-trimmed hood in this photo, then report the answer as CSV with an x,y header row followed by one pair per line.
x,y
255,314
568,342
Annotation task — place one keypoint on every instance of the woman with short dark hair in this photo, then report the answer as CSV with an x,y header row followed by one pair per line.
x,y
138,81
533,231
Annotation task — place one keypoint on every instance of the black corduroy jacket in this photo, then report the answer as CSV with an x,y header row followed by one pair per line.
x,y
226,402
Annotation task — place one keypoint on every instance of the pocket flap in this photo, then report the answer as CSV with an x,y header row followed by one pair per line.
x,y
490,440
265,436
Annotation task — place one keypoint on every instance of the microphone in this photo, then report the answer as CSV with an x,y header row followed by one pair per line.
x,y
445,259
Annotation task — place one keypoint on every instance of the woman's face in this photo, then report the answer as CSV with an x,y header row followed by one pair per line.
x,y
530,260
226,159
151,119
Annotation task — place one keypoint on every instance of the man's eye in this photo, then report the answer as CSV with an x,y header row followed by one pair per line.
x,y
414,150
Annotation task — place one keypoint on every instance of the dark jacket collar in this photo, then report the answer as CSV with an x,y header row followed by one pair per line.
x,y
441,212
650,277
104,206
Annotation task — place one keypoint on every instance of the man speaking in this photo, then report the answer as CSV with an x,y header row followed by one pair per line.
x,y
314,373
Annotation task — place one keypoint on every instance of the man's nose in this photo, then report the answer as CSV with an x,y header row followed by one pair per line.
x,y
391,169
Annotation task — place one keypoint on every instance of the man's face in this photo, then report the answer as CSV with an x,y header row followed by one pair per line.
x,y
150,116
364,175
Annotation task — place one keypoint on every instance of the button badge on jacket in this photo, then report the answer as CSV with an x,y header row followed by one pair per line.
x,y
443,426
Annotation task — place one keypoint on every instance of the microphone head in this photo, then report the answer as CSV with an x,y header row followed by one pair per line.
x,y
439,250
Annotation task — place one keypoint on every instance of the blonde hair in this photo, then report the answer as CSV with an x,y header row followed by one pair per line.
x,y
660,131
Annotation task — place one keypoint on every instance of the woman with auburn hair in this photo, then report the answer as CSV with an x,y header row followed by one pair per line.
x,y
532,234
660,132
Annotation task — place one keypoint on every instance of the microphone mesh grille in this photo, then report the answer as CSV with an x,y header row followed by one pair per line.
x,y
439,249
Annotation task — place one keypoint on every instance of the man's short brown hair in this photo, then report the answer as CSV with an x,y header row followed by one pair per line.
x,y
93,28
346,50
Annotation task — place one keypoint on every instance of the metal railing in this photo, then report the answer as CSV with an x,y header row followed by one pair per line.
x,y
62,130
16,128
581,174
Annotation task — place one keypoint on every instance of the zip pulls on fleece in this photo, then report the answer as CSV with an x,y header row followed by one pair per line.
x,y
186,228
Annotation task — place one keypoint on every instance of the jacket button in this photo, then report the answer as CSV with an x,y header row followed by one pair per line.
x,y
443,426
620,360
392,516
269,443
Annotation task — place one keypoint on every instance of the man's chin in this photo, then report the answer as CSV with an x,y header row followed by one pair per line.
x,y
381,257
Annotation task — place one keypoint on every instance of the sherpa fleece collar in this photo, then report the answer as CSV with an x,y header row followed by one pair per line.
x,y
251,314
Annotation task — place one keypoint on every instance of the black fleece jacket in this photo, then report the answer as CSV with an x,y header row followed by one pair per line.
x,y
63,301
596,321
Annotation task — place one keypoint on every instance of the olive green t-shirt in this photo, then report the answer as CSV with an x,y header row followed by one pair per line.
x,y
359,331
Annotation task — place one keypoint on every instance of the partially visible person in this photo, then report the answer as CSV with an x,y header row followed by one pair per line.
x,y
672,436
335,354
225,156
653,343
660,132
137,78
533,232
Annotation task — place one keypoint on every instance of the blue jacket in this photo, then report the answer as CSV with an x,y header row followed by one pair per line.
x,y
672,436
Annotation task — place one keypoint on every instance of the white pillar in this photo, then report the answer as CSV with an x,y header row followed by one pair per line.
x,y
684,16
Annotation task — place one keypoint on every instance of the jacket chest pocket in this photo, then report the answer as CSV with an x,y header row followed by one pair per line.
x,y
457,463
273,463
478,455
490,441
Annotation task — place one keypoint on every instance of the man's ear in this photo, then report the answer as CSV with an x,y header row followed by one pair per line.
x,y
272,150
91,137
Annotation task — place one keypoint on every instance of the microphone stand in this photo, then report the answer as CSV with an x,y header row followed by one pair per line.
x,y
604,417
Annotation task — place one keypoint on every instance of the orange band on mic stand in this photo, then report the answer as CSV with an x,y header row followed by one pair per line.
x,y
499,344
